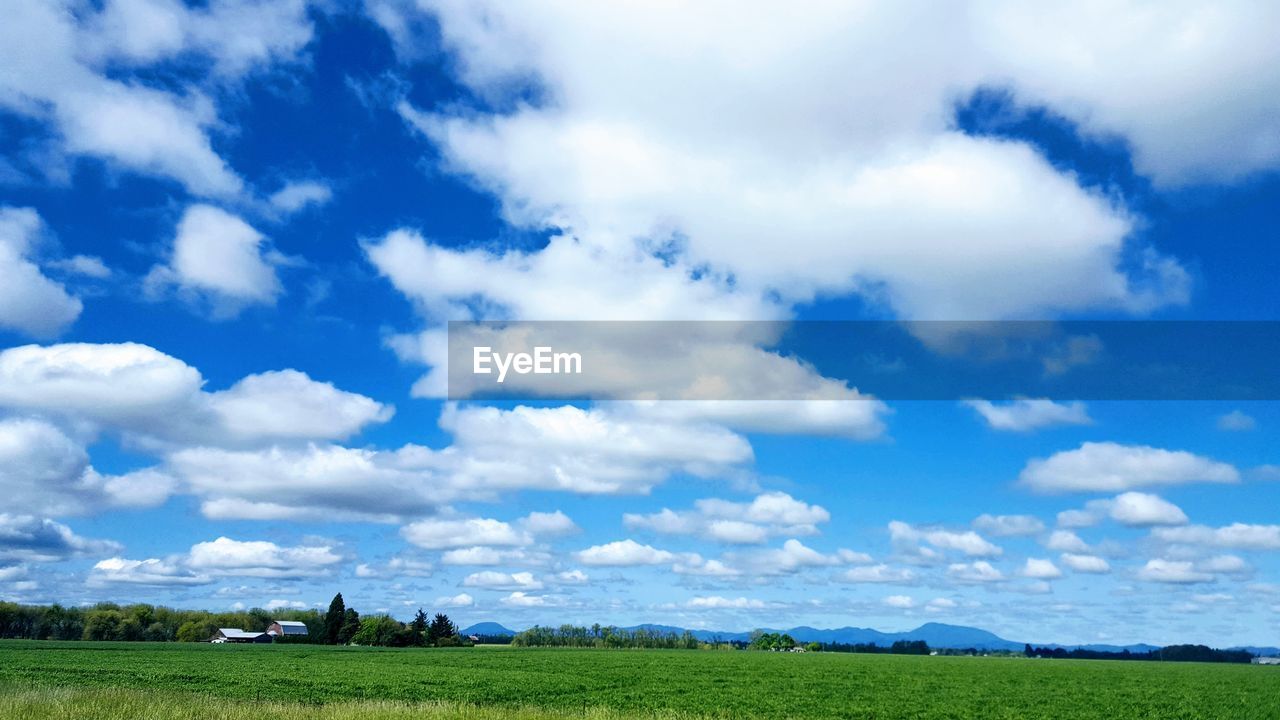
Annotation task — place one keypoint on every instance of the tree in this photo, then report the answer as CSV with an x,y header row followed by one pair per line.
x,y
333,620
381,631
441,627
419,628
350,626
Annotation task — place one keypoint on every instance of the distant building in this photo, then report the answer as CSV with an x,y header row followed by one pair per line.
x,y
236,635
287,629
1266,661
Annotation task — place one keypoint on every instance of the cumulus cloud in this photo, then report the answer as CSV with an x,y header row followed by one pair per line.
x,y
1111,467
287,404
1029,414
623,553
1085,563
492,580
1133,509
219,258
881,573
902,602
979,571
792,557
443,534
1240,536
908,539
1178,572
1066,541
1040,569
221,558
1009,525
295,196
716,602
461,600
768,515
44,471
84,71
841,184
30,302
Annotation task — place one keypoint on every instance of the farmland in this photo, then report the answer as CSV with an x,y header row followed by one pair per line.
x,y
163,680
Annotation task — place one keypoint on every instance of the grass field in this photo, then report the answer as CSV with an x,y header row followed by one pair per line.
x,y
162,681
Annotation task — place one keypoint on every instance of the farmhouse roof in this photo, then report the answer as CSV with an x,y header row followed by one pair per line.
x,y
292,627
237,633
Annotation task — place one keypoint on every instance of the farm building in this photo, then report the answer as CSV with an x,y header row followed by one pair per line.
x,y
236,635
1266,661
287,629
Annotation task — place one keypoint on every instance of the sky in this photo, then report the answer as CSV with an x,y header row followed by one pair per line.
x,y
232,233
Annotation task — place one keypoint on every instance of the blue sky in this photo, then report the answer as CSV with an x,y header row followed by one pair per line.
x,y
231,234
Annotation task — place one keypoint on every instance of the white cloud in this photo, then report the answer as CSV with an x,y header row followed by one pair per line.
x,y
861,198
1110,467
219,257
768,515
1040,569
1066,541
716,602
461,600
979,571
288,404
1142,510
791,557
87,265
488,556
907,538
1226,564
1179,572
445,534
572,577
1085,563
282,604
550,524
493,580
115,384
1009,525
521,599
1025,414
623,553
1236,421
30,302
937,605
295,196
902,602
44,471
74,67
237,558
881,573
1241,536
117,570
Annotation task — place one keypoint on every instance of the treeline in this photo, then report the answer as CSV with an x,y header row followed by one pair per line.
x,y
340,625
899,647
1172,653
598,636
139,622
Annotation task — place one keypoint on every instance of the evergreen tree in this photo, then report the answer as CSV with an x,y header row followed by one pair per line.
x,y
350,626
441,628
419,628
333,620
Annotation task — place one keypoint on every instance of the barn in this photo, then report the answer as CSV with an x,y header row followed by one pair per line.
x,y
236,635
287,629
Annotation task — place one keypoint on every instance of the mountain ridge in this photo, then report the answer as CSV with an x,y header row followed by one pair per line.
x,y
936,635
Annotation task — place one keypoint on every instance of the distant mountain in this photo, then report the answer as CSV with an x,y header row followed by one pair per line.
x,y
486,628
936,635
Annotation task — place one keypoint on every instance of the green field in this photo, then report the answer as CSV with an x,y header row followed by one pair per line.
x,y
108,680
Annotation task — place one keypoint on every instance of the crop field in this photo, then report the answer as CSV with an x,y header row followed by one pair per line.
x,y
176,680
